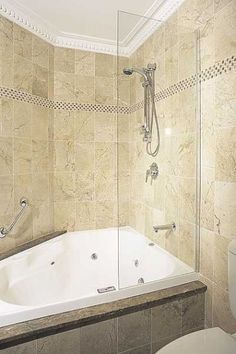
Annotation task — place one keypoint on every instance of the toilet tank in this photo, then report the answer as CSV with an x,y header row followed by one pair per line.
x,y
232,275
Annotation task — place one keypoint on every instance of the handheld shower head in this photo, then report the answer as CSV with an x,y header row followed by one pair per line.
x,y
130,71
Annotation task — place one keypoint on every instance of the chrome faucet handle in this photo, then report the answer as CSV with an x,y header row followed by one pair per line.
x,y
153,171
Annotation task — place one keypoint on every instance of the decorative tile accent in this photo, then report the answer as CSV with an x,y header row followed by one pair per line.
x,y
215,70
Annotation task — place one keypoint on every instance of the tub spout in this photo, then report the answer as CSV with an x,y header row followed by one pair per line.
x,y
171,227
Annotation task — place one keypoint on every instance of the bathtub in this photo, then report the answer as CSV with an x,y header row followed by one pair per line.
x,y
85,268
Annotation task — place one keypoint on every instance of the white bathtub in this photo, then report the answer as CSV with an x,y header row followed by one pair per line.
x,y
60,274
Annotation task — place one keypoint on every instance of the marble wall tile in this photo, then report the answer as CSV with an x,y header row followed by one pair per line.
x,y
194,13
64,124
84,187
105,127
84,63
220,265
193,312
64,215
105,213
26,348
64,60
6,52
225,101
100,338
222,315
40,187
207,198
64,186
187,199
22,119
64,159
22,155
66,342
22,188
104,156
105,90
23,74
40,81
64,86
84,156
6,156
134,330
187,242
207,43
166,320
22,42
6,202
42,219
40,52
226,155
84,126
225,31
225,209
219,4
105,65
207,243
85,215
40,122
146,349
41,156
85,88
6,117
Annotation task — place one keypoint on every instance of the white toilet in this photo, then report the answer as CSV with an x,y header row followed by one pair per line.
x,y
212,340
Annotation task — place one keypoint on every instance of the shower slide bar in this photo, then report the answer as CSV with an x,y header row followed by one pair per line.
x,y
6,230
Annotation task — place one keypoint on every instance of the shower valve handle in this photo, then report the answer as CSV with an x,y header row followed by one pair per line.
x,y
153,172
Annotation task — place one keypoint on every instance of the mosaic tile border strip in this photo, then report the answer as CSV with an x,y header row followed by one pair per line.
x,y
25,97
211,72
90,107
69,106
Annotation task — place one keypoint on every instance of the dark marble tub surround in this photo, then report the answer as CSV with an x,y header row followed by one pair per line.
x,y
181,297
30,244
140,332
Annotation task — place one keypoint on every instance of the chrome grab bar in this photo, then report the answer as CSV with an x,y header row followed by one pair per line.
x,y
3,230
171,227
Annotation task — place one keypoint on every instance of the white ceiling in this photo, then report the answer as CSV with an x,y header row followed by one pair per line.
x,y
93,18
90,24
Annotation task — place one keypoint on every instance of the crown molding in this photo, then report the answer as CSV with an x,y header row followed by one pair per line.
x,y
159,11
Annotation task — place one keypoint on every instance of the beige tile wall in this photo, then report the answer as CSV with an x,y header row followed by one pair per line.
x,y
85,143
63,161
218,164
25,134
172,196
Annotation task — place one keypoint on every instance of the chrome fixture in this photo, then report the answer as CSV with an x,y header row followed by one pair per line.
x,y
153,172
171,227
106,290
150,114
136,263
3,230
94,256
140,281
